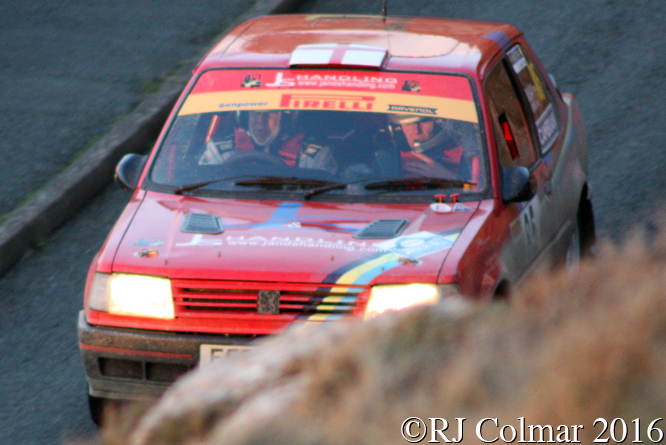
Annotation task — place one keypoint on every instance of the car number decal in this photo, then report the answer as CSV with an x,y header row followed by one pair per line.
x,y
529,222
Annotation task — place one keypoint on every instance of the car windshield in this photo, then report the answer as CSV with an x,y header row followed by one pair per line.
x,y
333,132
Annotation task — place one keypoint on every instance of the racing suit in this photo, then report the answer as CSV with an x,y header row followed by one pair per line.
x,y
295,151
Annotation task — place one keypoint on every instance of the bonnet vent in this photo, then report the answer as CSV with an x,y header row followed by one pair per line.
x,y
201,223
382,228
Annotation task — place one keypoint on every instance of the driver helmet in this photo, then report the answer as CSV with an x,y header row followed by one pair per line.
x,y
264,126
437,139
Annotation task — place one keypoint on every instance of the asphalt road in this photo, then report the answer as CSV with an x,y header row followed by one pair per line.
x,y
609,54
42,382
69,70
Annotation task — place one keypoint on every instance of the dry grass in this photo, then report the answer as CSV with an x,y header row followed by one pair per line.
x,y
569,348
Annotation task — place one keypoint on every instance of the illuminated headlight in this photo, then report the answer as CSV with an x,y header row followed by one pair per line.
x,y
126,294
395,297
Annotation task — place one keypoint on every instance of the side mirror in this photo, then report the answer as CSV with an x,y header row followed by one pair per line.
x,y
517,184
128,171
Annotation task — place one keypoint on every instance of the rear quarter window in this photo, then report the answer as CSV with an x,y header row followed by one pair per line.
x,y
540,101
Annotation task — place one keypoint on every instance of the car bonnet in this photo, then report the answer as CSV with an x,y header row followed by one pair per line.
x,y
305,242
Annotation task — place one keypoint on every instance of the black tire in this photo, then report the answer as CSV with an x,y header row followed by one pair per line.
x,y
584,235
96,405
588,233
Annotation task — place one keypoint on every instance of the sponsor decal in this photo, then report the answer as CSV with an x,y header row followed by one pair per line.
x,y
346,91
364,270
327,102
243,105
440,207
199,240
418,244
281,81
537,81
251,81
417,110
147,242
532,97
309,80
412,85
517,59
547,128
461,208
298,241
147,253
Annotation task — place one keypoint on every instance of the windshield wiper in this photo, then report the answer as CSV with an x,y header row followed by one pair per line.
x,y
388,182
421,181
281,180
337,186
196,185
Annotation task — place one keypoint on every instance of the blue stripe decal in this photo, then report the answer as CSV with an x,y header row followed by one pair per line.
x,y
286,213
500,38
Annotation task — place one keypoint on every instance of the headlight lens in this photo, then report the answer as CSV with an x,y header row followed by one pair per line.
x,y
127,294
395,297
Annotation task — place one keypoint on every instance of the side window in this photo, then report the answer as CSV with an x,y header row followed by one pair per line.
x,y
514,144
538,96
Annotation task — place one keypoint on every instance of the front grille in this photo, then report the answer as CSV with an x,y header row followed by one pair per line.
x,y
238,299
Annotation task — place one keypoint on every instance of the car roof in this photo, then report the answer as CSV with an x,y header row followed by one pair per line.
x,y
412,43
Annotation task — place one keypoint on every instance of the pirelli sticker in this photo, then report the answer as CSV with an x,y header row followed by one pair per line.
x,y
344,102
258,99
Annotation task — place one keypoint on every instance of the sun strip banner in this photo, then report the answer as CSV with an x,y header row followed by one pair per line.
x,y
330,100
443,96
440,85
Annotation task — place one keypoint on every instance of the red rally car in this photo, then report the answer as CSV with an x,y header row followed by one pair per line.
x,y
324,168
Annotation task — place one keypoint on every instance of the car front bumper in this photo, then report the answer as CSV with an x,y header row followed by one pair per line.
x,y
131,364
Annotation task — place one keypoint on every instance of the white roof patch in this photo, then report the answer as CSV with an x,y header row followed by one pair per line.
x,y
342,55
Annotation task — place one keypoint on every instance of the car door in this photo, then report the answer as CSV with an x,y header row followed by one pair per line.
x,y
517,147
562,186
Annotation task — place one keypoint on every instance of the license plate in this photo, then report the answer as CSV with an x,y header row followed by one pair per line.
x,y
209,354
